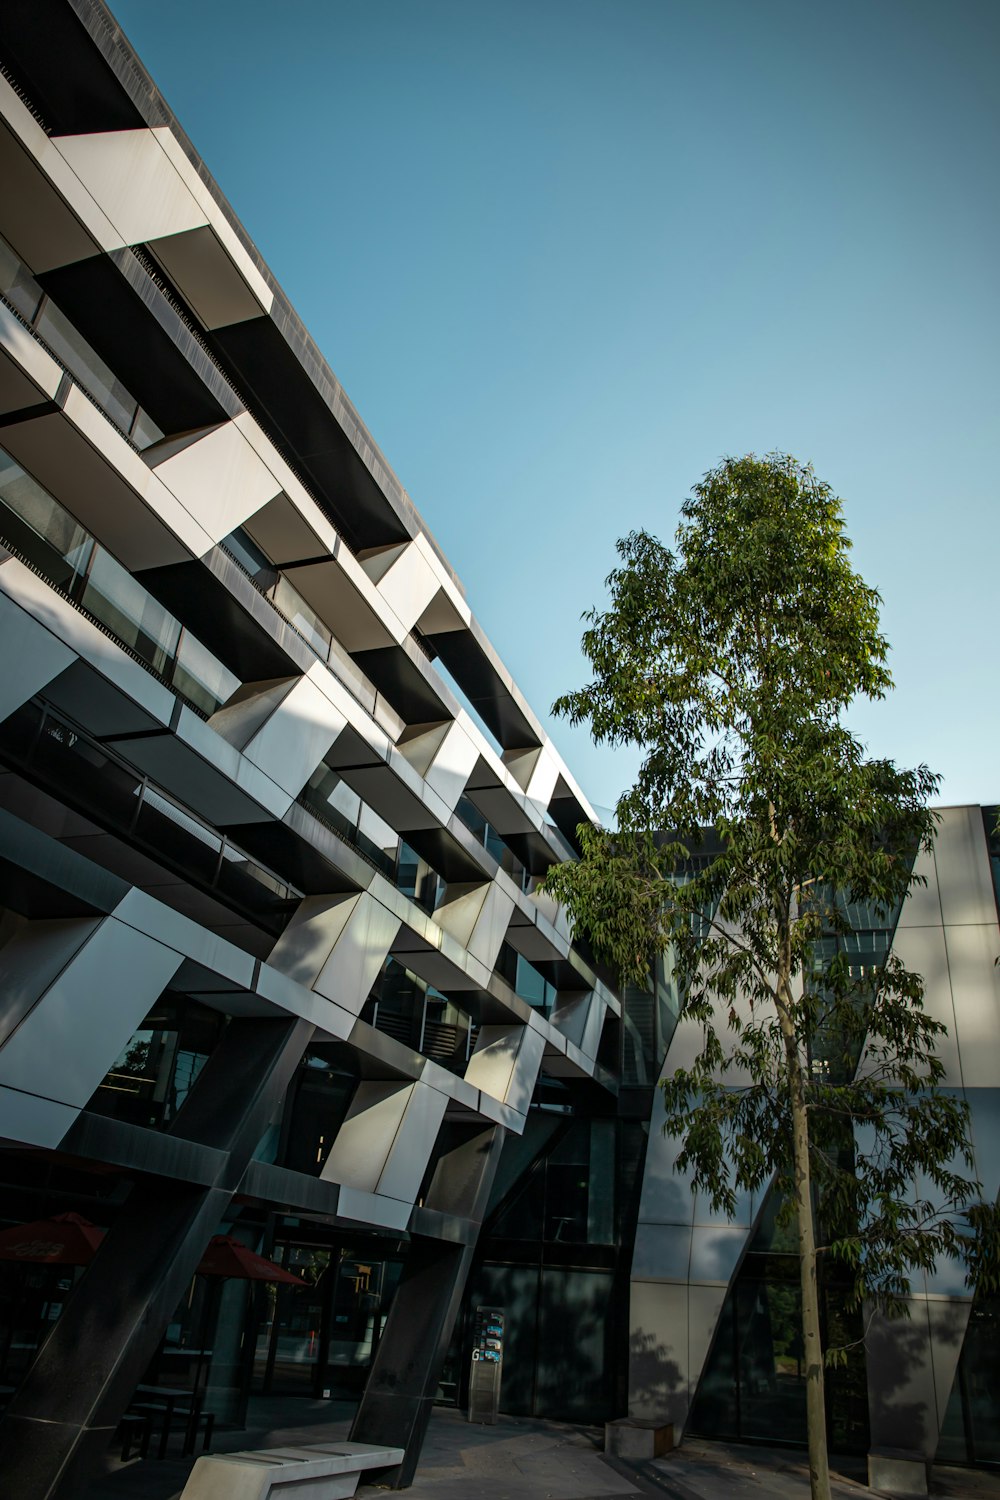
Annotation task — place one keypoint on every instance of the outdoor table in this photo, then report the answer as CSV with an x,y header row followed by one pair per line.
x,y
168,1399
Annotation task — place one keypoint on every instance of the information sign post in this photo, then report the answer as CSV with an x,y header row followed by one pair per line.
x,y
487,1365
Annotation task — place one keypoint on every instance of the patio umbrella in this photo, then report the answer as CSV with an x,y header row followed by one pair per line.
x,y
226,1256
64,1240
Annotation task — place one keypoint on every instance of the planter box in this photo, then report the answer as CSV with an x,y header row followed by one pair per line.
x,y
636,1440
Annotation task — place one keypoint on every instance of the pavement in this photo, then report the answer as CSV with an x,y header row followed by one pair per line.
x,y
523,1459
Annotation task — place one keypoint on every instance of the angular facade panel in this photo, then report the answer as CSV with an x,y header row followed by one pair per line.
x,y
272,961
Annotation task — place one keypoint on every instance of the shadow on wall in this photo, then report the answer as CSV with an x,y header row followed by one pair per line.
x,y
906,1359
657,1384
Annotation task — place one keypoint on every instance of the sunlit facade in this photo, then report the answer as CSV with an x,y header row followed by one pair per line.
x,y
272,957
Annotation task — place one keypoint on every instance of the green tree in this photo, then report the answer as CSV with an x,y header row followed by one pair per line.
x,y
756,839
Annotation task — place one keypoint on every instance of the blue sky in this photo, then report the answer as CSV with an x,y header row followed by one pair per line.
x,y
566,254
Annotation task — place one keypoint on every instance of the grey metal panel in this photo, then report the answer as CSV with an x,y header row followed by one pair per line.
x,y
705,1305
294,739
30,962
361,1147
506,1062
902,1402
963,868
947,1320
975,981
32,655
410,1152
984,1105
219,957
661,1252
715,1252
31,1120
658,1352
337,946
72,1036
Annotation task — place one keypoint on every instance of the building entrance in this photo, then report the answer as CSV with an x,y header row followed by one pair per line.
x,y
321,1341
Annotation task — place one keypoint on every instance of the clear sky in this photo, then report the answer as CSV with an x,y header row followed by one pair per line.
x,y
565,254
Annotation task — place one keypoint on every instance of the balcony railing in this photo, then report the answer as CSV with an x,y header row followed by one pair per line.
x,y
41,531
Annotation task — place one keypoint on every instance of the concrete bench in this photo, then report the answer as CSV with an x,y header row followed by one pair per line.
x,y
327,1471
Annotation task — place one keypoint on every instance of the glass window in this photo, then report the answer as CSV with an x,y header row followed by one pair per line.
x,y
304,619
157,1068
121,603
72,350
201,677
181,837
17,284
38,518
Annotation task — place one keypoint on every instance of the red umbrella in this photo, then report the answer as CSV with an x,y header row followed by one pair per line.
x,y
226,1256
64,1240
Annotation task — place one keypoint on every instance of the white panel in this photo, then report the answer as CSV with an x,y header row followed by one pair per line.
x,y
221,227
963,867
310,937
491,1066
408,585
975,981
253,703
32,656
220,479
666,1194
362,1144
543,778
337,946
922,907
452,765
37,223
491,926
505,1064
74,1034
28,353
923,949
129,175
460,910
412,1146
580,1021
293,741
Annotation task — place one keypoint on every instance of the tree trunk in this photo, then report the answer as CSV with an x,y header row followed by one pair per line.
x,y
819,1469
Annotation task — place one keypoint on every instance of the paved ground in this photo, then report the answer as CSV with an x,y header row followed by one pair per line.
x,y
528,1460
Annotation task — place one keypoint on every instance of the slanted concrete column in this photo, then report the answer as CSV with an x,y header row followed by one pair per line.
x,y
58,1427
399,1394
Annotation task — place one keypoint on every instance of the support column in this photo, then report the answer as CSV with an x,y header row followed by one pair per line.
x,y
58,1427
399,1394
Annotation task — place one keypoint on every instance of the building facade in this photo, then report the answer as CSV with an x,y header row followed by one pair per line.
x,y
272,956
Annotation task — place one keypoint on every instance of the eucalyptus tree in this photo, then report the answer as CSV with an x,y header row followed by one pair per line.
x,y
758,834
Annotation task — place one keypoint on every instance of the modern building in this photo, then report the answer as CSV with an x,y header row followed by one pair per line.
x,y
272,957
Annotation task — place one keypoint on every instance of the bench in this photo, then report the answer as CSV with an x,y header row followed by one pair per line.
x,y
326,1471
